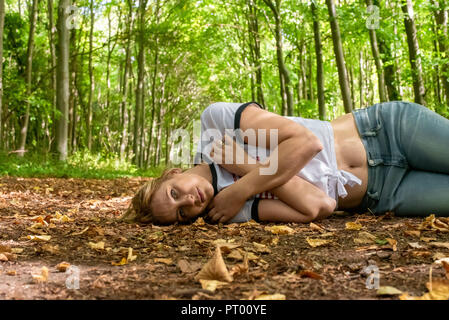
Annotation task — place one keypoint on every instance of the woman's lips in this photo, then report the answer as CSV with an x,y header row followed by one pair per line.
x,y
200,195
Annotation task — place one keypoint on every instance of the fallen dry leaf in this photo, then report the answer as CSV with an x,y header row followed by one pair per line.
x,y
276,296
432,223
261,248
241,268
11,273
364,238
81,232
316,227
212,285
427,239
439,244
188,267
42,277
393,243
225,245
413,233
96,246
3,257
63,266
317,242
438,290
310,274
215,269
131,257
39,238
279,229
50,249
120,263
388,291
167,261
353,226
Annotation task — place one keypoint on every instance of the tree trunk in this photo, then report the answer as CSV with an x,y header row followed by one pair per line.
x,y
28,78
51,40
254,36
140,82
338,50
377,59
361,78
284,77
123,104
91,78
153,89
414,53
441,31
2,24
319,63
62,97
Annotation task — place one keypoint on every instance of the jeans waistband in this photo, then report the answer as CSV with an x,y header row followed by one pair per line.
x,y
368,128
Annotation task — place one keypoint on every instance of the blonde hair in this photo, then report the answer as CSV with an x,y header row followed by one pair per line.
x,y
139,210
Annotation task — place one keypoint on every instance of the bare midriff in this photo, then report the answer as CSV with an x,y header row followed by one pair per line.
x,y
351,157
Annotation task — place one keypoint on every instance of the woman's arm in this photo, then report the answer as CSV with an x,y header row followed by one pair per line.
x,y
277,211
294,148
297,193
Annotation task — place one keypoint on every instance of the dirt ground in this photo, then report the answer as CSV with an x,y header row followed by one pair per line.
x,y
44,222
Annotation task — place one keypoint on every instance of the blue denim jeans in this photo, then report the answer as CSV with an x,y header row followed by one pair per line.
x,y
407,148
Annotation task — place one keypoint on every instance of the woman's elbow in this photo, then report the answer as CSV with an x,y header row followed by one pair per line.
x,y
323,209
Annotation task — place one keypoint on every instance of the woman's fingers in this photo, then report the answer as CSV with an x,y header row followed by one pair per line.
x,y
214,216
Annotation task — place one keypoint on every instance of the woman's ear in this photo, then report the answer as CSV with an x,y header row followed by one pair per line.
x,y
174,171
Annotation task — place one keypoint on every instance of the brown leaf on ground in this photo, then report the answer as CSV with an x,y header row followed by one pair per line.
x,y
188,267
215,269
317,242
438,290
42,276
276,296
364,238
393,243
316,227
280,229
388,291
432,223
310,274
353,226
63,266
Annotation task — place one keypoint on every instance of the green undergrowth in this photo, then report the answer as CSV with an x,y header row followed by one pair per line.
x,y
78,165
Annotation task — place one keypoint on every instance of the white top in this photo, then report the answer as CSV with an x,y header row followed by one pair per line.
x,y
322,171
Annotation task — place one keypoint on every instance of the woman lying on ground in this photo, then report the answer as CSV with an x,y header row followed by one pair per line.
x,y
392,156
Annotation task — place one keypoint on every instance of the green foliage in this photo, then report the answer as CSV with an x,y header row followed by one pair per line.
x,y
196,53
78,165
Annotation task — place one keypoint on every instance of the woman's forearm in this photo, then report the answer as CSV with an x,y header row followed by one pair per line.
x,y
298,193
290,159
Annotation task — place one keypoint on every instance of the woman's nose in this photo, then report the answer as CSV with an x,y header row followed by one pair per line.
x,y
189,199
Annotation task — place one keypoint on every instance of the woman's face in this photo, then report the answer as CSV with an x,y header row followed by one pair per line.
x,y
181,198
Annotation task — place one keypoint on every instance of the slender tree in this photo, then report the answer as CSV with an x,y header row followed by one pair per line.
x,y
319,61
254,41
140,83
91,78
377,59
28,78
284,76
2,24
62,97
441,31
414,52
338,50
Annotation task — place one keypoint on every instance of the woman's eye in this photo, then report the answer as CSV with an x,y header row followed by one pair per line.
x,y
173,194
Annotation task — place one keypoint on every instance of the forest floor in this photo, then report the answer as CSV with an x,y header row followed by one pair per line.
x,y
44,222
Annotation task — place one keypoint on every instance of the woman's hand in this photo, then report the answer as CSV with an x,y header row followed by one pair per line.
x,y
225,205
